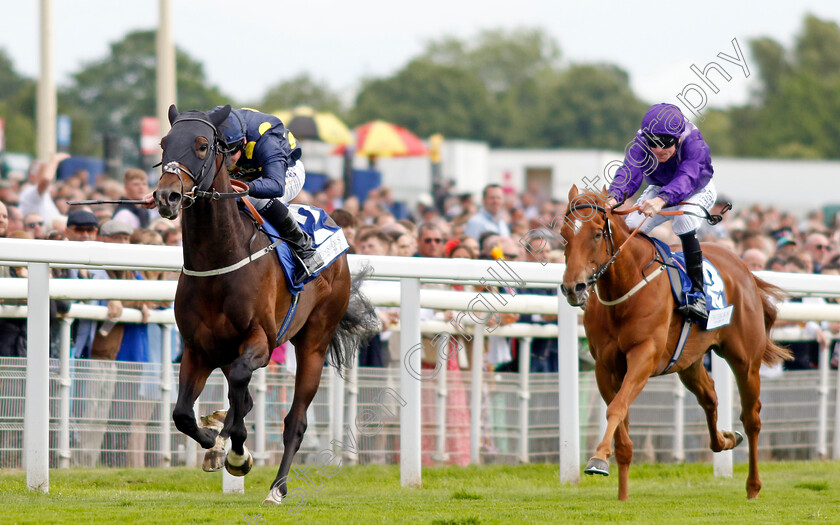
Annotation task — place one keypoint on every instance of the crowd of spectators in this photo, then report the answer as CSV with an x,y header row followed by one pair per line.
x,y
490,226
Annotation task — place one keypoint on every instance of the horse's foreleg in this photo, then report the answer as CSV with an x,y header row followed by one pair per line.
x,y
254,355
640,365
307,379
191,380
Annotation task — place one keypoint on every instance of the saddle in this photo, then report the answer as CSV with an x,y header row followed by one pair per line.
x,y
327,238
720,312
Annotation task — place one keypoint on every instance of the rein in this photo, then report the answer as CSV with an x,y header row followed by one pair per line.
x,y
614,253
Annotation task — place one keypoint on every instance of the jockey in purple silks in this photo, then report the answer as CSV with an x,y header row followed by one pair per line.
x,y
670,153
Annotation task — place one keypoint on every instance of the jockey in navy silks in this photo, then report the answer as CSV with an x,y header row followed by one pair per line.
x,y
262,152
670,153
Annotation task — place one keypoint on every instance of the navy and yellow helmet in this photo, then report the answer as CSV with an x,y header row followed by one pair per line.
x,y
232,129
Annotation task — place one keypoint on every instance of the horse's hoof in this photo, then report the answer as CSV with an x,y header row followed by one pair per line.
x,y
274,497
597,466
215,421
241,469
214,459
738,438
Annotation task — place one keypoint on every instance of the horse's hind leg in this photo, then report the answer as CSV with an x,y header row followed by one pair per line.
x,y
307,379
623,456
191,380
749,386
698,382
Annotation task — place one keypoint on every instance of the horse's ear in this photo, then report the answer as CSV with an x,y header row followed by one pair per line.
x,y
173,114
573,192
220,115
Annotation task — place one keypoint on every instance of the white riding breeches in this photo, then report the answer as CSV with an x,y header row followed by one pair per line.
x,y
705,197
295,177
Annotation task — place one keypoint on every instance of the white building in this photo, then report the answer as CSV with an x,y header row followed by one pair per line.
x,y
794,185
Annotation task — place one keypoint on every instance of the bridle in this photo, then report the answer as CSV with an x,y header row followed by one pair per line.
x,y
201,188
613,253
201,181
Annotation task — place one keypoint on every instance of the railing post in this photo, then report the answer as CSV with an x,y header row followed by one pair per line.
x,y
410,351
442,394
524,395
230,484
260,388
337,408
822,428
722,377
475,394
64,382
567,344
835,446
36,424
166,395
191,449
352,456
679,420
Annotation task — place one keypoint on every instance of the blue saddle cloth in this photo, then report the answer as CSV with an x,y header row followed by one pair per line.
x,y
328,239
713,284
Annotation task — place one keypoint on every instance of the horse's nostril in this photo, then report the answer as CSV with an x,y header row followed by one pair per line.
x,y
563,290
580,288
174,197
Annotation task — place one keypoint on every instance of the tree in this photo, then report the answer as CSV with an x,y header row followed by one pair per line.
x,y
17,107
506,88
116,91
301,90
591,106
429,98
501,59
797,111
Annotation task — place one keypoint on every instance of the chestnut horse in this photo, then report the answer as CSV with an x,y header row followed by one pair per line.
x,y
231,301
633,338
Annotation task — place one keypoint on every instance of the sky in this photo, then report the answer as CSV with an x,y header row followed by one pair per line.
x,y
247,50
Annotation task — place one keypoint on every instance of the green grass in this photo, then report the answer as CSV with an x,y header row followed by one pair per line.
x,y
793,493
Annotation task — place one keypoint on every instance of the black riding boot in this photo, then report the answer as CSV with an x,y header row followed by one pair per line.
x,y
695,307
301,243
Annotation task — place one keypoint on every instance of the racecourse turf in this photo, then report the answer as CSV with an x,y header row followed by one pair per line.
x,y
793,492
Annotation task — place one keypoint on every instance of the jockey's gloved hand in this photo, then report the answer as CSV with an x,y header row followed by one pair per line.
x,y
250,189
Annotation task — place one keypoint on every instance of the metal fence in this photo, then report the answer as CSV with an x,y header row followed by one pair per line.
x,y
115,417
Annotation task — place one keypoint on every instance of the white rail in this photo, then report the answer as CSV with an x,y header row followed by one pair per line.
x,y
410,272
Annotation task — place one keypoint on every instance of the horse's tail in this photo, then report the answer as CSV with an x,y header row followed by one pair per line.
x,y
359,324
773,353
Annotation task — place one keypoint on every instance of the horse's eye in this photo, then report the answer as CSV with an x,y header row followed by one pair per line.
x,y
598,235
203,147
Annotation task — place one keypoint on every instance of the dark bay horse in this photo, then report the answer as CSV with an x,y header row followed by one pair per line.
x,y
634,338
230,313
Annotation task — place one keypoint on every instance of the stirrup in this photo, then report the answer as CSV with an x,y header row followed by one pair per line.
x,y
695,307
306,267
